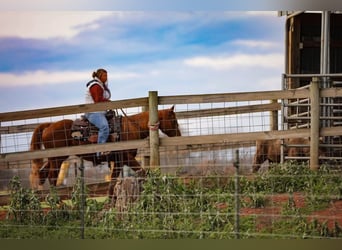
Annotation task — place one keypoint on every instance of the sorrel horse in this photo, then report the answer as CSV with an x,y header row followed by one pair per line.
x,y
58,134
270,150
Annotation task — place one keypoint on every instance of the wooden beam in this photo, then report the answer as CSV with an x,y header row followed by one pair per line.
x,y
18,128
75,109
74,150
314,123
228,111
181,99
224,139
235,97
331,92
274,116
165,150
180,115
245,137
154,133
230,138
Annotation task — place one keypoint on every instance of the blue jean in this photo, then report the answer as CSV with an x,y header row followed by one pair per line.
x,y
100,121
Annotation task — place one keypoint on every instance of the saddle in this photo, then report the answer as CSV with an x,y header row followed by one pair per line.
x,y
83,130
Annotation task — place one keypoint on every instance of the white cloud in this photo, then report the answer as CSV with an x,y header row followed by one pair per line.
x,y
263,13
47,24
43,78
239,60
255,44
67,24
270,83
168,77
40,77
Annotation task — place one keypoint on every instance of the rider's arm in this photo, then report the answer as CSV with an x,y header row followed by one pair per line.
x,y
97,93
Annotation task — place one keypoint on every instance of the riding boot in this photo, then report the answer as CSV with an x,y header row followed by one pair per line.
x,y
101,158
98,159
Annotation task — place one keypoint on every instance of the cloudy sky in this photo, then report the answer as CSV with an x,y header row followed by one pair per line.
x,y
48,56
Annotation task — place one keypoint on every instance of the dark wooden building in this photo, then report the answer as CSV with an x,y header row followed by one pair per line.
x,y
303,44
313,46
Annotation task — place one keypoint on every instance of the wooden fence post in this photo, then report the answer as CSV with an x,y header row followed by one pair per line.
x,y
314,128
154,133
145,157
274,117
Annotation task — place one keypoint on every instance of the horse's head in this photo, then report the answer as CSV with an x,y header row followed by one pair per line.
x,y
168,123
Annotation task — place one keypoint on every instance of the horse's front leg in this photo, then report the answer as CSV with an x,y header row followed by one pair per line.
x,y
55,165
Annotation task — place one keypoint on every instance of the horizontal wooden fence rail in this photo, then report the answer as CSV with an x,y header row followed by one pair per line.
x,y
163,100
228,111
169,141
18,128
235,97
74,109
331,92
180,115
20,115
169,100
74,150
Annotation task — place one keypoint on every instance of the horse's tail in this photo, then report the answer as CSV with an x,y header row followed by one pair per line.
x,y
37,140
37,164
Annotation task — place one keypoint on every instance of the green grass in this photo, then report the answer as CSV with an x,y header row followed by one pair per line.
x,y
169,209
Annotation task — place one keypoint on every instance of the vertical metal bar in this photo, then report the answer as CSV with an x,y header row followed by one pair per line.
x,y
283,87
325,42
237,195
325,60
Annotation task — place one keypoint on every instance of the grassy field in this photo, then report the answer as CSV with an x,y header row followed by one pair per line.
x,y
286,202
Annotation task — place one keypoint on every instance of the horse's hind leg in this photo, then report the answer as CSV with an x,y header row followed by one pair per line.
x,y
38,175
261,155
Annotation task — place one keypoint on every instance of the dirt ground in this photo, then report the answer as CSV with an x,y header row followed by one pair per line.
x,y
267,215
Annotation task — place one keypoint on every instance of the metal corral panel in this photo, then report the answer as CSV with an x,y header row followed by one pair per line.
x,y
304,45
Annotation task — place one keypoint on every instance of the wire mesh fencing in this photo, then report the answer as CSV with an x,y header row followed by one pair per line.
x,y
202,189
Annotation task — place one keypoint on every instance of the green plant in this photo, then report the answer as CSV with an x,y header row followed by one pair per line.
x,y
57,211
204,207
25,204
323,186
282,178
